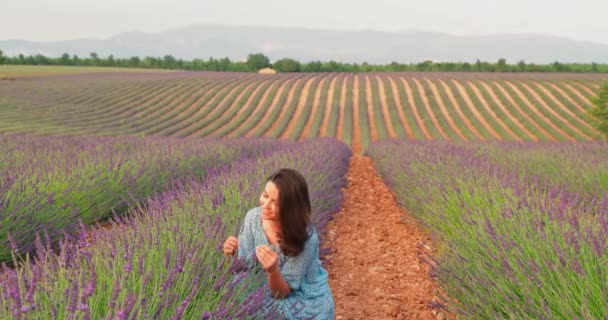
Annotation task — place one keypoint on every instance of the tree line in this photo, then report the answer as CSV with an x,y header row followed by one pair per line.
x,y
256,61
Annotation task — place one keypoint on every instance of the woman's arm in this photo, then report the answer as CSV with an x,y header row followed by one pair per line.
x,y
278,286
269,260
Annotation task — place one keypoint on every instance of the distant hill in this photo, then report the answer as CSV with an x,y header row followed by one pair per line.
x,y
235,42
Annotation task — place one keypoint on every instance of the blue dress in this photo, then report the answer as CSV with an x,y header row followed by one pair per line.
x,y
310,296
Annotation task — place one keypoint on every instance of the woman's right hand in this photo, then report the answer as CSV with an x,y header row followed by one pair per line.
x,y
231,245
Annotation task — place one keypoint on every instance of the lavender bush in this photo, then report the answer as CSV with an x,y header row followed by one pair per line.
x,y
514,243
165,260
48,184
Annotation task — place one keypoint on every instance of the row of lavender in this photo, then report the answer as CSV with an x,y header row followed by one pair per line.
x,y
165,261
522,228
48,184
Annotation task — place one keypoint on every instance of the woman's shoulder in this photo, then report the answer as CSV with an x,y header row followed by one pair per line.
x,y
253,213
313,236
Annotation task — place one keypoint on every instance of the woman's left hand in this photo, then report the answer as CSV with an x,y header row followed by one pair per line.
x,y
267,258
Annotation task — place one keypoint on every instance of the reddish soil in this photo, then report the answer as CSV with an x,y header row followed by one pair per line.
x,y
375,271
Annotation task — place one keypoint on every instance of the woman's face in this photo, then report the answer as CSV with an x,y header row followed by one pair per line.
x,y
269,201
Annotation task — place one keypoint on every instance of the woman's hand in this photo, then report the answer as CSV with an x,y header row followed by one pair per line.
x,y
231,245
267,258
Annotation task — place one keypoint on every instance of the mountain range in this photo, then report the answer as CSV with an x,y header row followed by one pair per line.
x,y
303,44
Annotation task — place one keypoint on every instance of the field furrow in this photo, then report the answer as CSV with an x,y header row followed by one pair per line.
x,y
491,112
530,106
581,123
237,114
414,109
270,113
396,97
328,106
506,111
429,110
474,110
299,111
554,113
371,115
444,110
314,110
385,110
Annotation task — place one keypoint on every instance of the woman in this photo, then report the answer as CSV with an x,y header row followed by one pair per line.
x,y
286,245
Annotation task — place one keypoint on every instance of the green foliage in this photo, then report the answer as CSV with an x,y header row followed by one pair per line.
x,y
257,61
599,111
287,65
1,57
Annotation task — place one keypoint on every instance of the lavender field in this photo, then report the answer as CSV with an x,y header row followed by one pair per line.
x,y
522,229
163,259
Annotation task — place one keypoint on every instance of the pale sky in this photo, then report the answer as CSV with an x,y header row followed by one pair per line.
x,y
47,20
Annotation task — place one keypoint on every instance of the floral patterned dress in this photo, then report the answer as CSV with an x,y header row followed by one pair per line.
x,y
310,296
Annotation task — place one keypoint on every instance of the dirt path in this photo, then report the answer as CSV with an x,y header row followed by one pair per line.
x,y
375,271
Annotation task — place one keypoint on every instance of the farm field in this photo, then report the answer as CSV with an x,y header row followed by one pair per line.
x,y
25,71
521,228
427,188
355,108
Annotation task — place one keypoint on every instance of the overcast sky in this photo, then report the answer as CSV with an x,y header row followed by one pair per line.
x,y
47,20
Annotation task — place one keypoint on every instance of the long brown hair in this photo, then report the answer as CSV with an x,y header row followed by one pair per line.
x,y
294,210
